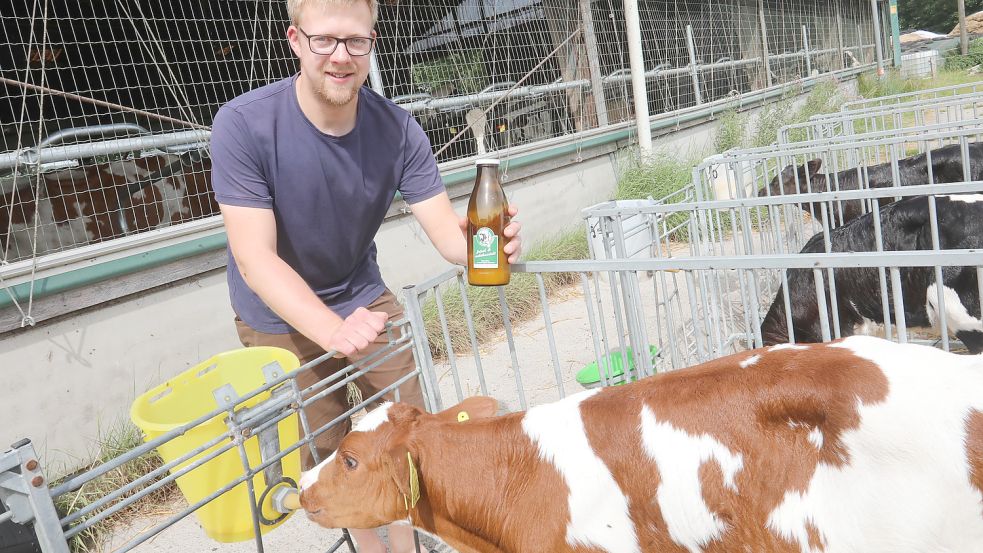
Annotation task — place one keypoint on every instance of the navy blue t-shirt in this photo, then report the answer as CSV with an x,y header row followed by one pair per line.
x,y
329,194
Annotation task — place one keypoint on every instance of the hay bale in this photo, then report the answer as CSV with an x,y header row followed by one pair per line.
x,y
974,25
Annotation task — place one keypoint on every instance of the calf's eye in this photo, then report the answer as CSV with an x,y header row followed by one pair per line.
x,y
350,463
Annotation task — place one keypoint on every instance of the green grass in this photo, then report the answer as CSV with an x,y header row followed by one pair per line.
x,y
870,86
955,61
732,132
117,440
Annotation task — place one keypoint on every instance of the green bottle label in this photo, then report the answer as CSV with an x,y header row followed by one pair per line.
x,y
485,244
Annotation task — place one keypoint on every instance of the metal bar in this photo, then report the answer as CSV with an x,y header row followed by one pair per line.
x,y
250,485
912,258
507,323
593,62
411,295
933,219
879,246
901,97
805,197
33,158
764,41
805,42
694,72
36,495
899,316
817,274
879,108
895,32
839,34
472,336
442,316
589,303
550,339
375,74
637,63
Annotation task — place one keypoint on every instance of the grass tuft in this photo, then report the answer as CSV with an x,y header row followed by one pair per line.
x,y
119,439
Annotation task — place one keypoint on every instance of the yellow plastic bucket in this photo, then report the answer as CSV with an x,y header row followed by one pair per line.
x,y
188,396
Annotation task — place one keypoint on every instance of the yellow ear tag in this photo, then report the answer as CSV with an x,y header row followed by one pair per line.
x,y
414,483
463,416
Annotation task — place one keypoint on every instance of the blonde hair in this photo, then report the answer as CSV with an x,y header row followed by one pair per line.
x,y
294,7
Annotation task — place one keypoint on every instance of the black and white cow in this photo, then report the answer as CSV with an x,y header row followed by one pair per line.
x,y
947,166
904,227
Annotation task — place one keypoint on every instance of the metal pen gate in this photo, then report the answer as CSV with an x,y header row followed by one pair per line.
x,y
29,497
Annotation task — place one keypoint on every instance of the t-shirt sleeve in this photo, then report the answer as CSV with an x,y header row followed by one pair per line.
x,y
421,178
237,178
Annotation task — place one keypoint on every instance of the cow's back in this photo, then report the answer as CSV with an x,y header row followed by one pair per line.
x,y
857,446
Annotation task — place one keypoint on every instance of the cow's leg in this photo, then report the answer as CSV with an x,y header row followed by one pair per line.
x,y
972,339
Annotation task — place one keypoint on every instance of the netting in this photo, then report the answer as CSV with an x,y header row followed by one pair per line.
x,y
105,106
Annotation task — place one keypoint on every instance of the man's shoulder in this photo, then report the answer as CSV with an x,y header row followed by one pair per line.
x,y
261,98
382,108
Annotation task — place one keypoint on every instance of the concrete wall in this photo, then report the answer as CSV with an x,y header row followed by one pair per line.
x,y
70,379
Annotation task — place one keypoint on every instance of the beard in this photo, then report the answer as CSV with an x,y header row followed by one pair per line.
x,y
336,95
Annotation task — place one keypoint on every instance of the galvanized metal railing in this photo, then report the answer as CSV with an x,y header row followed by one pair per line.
x,y
938,112
29,497
774,227
747,172
893,99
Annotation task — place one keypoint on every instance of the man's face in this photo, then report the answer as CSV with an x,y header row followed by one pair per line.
x,y
335,78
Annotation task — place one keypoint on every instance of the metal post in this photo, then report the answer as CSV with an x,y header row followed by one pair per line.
x,y
375,74
839,34
593,63
638,78
875,16
694,70
764,41
25,494
963,37
895,33
805,45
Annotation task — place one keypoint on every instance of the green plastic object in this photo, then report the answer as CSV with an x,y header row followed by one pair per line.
x,y
590,376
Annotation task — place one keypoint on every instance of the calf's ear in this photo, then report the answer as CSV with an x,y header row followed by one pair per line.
x,y
477,407
814,166
406,475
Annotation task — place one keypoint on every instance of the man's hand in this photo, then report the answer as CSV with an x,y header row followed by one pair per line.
x,y
356,332
513,243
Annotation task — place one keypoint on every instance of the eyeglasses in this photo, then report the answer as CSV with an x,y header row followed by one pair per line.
x,y
327,44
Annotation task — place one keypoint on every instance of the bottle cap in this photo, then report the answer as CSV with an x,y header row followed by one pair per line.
x,y
487,161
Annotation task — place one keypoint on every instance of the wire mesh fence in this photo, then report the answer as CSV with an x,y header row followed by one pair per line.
x,y
106,105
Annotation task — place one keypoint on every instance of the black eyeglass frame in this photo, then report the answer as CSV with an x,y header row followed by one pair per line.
x,y
338,41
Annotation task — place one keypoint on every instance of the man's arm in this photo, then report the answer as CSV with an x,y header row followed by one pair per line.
x,y
252,239
447,231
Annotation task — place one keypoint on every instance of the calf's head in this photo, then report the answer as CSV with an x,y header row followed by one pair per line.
x,y
374,477
794,181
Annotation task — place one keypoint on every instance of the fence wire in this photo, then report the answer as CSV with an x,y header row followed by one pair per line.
x,y
99,99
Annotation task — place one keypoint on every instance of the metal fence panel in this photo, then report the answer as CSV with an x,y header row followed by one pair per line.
x,y
99,98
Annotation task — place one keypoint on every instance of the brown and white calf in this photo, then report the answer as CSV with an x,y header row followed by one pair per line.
x,y
100,202
860,445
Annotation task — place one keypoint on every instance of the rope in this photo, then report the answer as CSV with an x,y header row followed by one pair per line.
x,y
513,87
93,101
28,320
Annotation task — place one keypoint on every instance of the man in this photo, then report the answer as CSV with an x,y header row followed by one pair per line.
x,y
304,170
